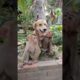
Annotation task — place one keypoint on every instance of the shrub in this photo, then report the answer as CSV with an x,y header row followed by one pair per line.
x,y
57,34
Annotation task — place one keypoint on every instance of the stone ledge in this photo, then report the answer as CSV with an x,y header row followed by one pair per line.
x,y
43,70
41,65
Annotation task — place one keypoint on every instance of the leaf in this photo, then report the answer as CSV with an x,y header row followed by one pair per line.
x,y
58,11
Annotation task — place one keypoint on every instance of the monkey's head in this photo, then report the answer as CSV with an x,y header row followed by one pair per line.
x,y
49,34
32,39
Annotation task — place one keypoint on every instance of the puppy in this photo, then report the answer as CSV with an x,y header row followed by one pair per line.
x,y
41,29
32,49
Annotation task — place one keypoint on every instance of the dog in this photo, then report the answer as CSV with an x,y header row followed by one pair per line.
x,y
41,30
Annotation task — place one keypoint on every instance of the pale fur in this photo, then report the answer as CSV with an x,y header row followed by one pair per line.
x,y
32,49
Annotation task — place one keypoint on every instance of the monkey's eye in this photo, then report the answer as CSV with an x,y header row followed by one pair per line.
x,y
40,24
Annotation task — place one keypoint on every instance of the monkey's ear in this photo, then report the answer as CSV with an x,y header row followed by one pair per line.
x,y
34,25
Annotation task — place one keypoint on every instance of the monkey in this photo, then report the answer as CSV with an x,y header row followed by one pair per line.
x,y
47,44
32,49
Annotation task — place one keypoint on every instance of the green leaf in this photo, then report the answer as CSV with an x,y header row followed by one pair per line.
x,y
58,11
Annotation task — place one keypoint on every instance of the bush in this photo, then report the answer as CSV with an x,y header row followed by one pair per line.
x,y
57,34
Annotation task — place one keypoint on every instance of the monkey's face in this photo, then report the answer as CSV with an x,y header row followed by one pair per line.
x,y
49,34
35,40
32,39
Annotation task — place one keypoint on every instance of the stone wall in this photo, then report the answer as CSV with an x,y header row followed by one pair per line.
x,y
44,70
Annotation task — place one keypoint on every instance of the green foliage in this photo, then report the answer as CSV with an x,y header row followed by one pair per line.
x,y
51,2
57,34
58,11
56,27
23,37
24,7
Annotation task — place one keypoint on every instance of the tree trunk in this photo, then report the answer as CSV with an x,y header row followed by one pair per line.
x,y
39,9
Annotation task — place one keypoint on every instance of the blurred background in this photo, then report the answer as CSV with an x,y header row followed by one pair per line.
x,y
28,11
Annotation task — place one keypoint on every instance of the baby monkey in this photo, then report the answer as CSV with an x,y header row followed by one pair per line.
x,y
32,50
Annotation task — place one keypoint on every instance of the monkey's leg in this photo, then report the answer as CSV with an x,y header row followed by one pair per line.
x,y
25,55
26,58
50,49
36,54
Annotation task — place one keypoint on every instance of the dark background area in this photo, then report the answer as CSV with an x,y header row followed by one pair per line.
x,y
8,40
71,40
